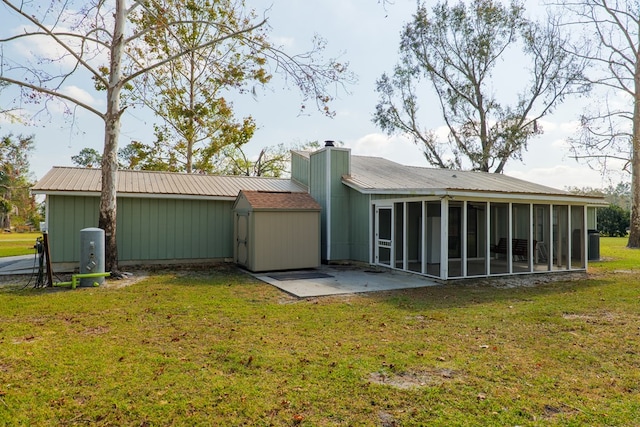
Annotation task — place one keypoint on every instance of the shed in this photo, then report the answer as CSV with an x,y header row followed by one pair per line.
x,y
276,230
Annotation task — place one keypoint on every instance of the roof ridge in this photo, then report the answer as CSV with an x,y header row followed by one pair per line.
x,y
80,168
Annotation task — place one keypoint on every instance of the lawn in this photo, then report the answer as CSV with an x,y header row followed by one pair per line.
x,y
220,348
12,244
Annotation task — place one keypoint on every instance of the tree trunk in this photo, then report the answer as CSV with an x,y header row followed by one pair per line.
x,y
5,221
634,226
108,196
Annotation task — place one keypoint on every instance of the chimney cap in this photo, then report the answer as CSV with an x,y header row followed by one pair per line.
x,y
329,143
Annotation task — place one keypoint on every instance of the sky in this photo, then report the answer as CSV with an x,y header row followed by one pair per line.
x,y
363,33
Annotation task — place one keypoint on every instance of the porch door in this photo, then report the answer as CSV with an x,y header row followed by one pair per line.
x,y
384,235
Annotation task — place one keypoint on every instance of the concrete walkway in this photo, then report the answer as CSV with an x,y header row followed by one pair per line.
x,y
336,280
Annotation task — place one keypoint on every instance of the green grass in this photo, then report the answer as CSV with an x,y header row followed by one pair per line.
x,y
12,244
220,348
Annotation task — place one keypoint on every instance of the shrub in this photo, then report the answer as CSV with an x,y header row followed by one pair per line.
x,y
613,221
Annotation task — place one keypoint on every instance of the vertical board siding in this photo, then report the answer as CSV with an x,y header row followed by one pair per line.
x,y
148,229
285,240
340,207
300,169
67,216
360,231
318,190
175,229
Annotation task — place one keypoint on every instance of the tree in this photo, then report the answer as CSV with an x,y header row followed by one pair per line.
x,y
458,50
87,158
613,221
609,39
188,93
14,179
271,162
132,156
620,195
94,39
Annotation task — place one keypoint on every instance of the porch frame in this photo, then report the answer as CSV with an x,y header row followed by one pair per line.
x,y
559,246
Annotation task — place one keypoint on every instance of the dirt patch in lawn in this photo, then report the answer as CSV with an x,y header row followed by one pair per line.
x,y
127,280
414,379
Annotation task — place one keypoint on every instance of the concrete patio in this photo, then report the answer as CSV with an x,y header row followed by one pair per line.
x,y
338,279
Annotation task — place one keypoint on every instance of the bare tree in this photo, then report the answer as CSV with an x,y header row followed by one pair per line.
x,y
94,39
609,39
458,49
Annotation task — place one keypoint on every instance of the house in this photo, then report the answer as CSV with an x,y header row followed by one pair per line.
x,y
439,223
163,218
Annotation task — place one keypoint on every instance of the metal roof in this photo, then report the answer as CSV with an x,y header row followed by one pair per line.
x,y
158,184
376,175
369,175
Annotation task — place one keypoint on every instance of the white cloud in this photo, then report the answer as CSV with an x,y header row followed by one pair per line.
x,y
548,125
560,144
285,42
570,127
80,94
395,148
42,49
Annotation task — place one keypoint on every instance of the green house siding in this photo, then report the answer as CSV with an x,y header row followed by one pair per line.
x,y
327,167
67,216
318,190
300,169
360,230
148,229
340,206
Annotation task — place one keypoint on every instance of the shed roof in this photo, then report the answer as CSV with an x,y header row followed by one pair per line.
x,y
280,200
376,175
88,181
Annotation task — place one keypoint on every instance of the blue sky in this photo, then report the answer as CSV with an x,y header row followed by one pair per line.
x,y
361,32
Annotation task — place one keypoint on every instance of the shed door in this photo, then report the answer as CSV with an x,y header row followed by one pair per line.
x,y
242,227
384,235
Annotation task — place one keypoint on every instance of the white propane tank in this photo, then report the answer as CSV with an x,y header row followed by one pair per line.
x,y
91,255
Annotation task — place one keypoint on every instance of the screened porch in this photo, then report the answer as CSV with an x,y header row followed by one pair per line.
x,y
446,238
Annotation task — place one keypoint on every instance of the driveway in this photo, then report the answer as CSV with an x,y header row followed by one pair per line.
x,y
23,264
336,280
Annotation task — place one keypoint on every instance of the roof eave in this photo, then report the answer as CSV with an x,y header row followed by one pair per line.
x,y
134,195
568,198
